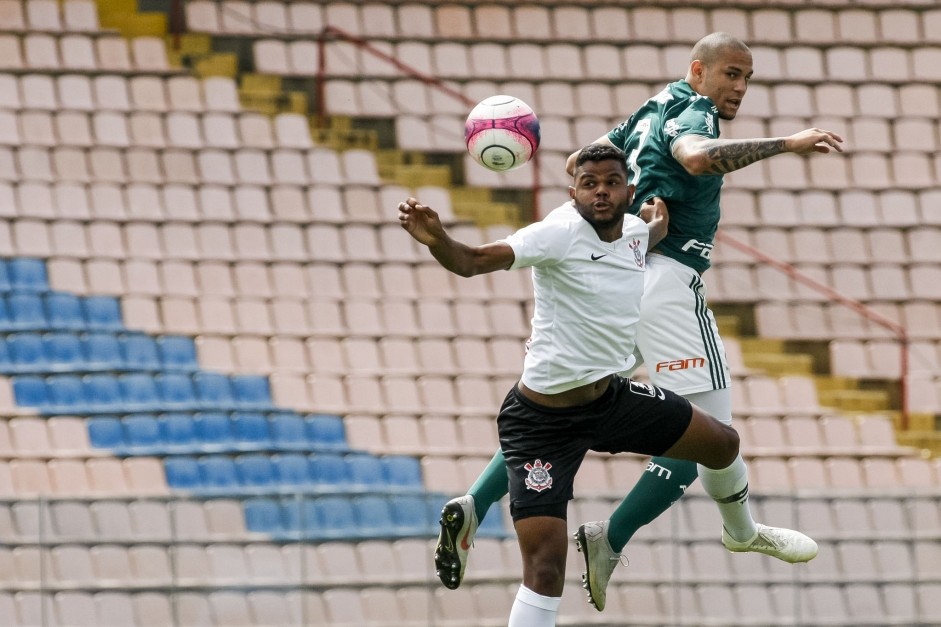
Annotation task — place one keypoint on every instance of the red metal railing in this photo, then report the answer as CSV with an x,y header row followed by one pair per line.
x,y
899,331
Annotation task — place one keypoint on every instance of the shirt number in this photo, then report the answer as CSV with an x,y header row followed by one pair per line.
x,y
642,130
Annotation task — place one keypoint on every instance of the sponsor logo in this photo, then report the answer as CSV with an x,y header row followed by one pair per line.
x,y
464,545
659,470
538,478
681,364
597,257
704,249
645,389
638,256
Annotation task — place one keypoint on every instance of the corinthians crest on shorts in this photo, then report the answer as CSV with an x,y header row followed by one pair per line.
x,y
538,478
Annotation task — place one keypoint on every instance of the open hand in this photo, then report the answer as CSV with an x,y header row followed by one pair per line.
x,y
421,222
813,140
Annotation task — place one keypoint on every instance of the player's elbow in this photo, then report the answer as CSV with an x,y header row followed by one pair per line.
x,y
695,163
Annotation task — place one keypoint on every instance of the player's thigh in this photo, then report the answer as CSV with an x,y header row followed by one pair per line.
x,y
677,335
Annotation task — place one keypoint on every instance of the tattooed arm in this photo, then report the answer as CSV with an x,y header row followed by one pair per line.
x,y
702,155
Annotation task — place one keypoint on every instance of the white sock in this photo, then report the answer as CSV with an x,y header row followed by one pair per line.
x,y
729,489
533,610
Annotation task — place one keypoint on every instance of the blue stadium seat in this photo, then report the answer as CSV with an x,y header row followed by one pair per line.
x,y
102,313
27,275
403,472
143,432
264,516
291,469
139,392
140,352
176,391
251,431
63,352
177,353
103,352
217,472
334,517
366,471
255,470
68,394
410,515
178,431
64,312
182,472
214,431
102,393
213,390
105,432
5,285
373,516
329,470
6,366
6,322
251,392
326,431
26,352
288,431
31,391
27,312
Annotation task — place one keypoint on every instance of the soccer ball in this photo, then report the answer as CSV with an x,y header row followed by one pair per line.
x,y
502,133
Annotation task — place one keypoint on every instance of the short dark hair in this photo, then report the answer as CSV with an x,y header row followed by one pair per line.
x,y
600,152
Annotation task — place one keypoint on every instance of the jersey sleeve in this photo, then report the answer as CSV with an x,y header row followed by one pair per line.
x,y
699,117
539,244
621,133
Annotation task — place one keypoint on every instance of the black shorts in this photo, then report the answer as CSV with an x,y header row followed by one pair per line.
x,y
544,446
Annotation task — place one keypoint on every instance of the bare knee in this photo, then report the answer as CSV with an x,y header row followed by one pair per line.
x,y
545,574
725,449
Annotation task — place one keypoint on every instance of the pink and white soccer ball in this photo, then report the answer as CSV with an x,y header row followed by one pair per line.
x,y
502,133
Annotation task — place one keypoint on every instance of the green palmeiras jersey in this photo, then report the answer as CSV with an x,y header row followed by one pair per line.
x,y
693,201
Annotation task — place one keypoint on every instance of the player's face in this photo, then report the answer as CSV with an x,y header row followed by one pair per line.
x,y
725,81
601,194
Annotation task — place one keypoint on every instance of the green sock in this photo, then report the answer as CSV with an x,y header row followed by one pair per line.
x,y
491,486
664,481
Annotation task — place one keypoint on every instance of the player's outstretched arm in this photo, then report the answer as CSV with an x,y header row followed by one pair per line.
x,y
702,155
422,223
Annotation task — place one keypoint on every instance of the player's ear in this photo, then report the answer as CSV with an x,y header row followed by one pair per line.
x,y
630,193
696,68
571,192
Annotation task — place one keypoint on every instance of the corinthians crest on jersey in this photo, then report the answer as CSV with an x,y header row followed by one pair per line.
x,y
538,478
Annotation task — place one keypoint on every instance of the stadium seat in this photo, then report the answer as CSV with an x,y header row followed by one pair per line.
x,y
27,275
325,431
182,472
102,313
255,470
291,469
143,432
139,392
178,432
329,470
102,352
218,472
140,352
214,431
176,391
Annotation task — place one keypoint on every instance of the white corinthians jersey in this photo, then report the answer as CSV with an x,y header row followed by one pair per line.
x,y
587,294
